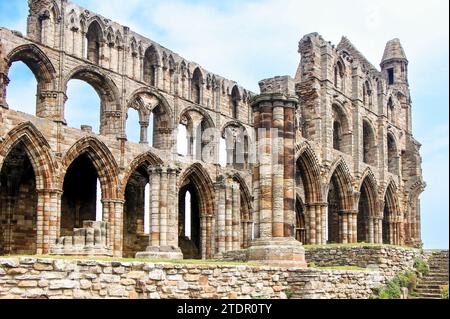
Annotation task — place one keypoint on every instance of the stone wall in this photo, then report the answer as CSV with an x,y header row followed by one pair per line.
x,y
388,259
28,277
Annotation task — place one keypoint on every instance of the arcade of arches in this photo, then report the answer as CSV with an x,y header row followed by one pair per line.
x,y
71,191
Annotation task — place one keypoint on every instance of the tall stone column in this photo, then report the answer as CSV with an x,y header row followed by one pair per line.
x,y
112,213
220,216
163,242
48,209
274,175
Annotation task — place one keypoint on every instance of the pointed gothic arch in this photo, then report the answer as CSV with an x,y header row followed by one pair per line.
x,y
367,207
102,159
38,151
197,182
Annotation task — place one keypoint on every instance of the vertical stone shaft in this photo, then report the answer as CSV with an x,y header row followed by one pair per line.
x,y
265,172
154,200
289,170
220,194
277,159
236,216
256,177
172,208
229,217
163,207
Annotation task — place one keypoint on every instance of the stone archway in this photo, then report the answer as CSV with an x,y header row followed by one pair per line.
x,y
392,222
110,108
30,147
138,210
45,74
196,181
342,224
367,210
307,176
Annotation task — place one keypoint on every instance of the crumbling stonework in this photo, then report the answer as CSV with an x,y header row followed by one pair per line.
x,y
387,259
349,170
59,279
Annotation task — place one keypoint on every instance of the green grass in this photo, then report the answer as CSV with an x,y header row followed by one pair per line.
x,y
351,245
111,259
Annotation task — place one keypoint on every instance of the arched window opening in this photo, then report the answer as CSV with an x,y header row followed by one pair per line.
x,y
133,127
390,110
18,204
341,131
337,135
364,212
235,100
98,201
147,209
189,222
223,152
236,147
334,208
83,106
246,217
151,64
22,88
391,228
182,140
339,76
367,95
196,86
46,28
81,195
392,155
369,145
137,212
94,40
188,216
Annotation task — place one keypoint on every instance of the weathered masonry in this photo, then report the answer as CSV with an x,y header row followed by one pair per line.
x,y
349,169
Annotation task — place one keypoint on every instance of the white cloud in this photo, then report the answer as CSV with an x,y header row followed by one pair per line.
x,y
252,40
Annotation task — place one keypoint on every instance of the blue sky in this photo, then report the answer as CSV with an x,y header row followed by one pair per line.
x,y
248,40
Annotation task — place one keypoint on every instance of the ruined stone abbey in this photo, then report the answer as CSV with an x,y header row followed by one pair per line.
x,y
347,168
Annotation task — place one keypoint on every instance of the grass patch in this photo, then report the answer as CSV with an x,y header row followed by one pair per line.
x,y
350,245
421,266
117,259
392,290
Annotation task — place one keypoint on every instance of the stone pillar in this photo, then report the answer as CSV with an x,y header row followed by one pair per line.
x,y
354,226
48,211
163,207
220,195
112,213
236,221
163,242
144,129
229,217
371,230
274,185
311,211
172,207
